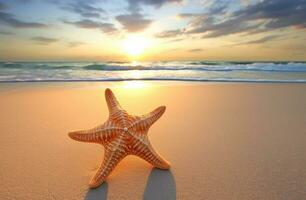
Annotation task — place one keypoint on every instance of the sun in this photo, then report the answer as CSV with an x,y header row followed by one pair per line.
x,y
135,45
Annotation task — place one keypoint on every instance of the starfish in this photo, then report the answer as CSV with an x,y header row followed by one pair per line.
x,y
121,135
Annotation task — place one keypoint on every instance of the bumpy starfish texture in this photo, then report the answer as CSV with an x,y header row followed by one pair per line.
x,y
121,135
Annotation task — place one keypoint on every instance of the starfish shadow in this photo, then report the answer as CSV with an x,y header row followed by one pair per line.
x,y
160,185
99,193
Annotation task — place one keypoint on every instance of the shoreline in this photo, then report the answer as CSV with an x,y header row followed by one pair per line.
x,y
131,84
159,80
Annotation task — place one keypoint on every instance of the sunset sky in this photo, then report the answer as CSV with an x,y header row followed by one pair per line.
x,y
152,30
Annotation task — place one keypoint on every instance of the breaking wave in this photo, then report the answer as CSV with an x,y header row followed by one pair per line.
x,y
189,71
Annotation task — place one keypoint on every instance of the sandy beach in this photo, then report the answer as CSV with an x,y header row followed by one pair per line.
x,y
224,141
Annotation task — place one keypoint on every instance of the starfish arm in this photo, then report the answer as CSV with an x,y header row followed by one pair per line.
x,y
100,134
121,135
112,103
144,122
113,155
147,152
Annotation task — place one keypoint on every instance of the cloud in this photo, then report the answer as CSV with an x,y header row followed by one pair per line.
x,y
219,6
133,22
44,40
279,13
188,15
6,33
260,17
245,2
226,28
3,6
134,5
258,41
90,24
24,1
75,44
169,34
10,20
195,50
86,9
174,40
263,39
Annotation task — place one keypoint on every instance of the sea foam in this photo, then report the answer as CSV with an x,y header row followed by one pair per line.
x,y
185,71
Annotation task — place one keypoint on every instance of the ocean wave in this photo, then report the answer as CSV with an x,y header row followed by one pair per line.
x,y
196,66
187,71
245,62
34,66
110,67
159,79
277,67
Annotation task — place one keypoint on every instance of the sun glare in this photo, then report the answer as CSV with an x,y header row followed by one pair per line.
x,y
135,45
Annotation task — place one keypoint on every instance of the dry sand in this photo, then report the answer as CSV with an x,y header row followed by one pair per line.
x,y
225,141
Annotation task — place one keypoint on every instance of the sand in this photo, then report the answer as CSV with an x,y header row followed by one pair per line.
x,y
224,141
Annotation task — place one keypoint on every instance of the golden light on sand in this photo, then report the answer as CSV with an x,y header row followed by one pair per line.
x,y
134,85
135,45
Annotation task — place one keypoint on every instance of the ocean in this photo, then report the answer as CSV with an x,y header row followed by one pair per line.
x,y
179,71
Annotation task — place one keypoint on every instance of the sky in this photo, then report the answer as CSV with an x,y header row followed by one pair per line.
x,y
152,30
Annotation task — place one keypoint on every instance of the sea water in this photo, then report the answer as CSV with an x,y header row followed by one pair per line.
x,y
184,71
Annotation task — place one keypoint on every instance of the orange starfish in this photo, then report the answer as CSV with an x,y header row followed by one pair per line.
x,y
121,135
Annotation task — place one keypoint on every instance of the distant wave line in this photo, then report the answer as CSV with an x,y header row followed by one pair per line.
x,y
268,67
156,79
